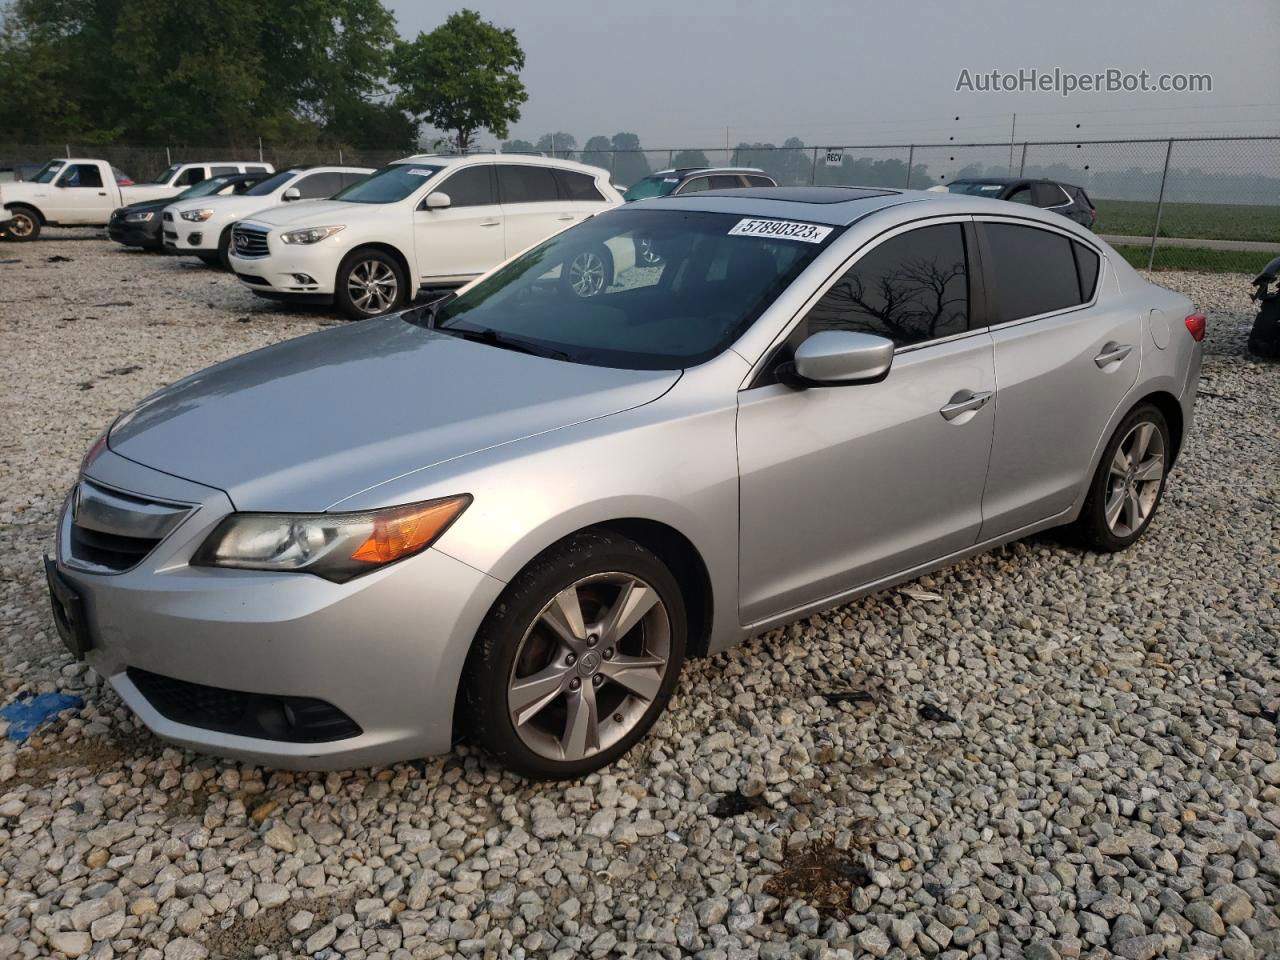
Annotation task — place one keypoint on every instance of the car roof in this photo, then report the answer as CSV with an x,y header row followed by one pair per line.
x,y
690,171
453,160
841,206
1007,181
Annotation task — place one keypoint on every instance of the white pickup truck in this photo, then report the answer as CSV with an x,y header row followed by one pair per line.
x,y
83,192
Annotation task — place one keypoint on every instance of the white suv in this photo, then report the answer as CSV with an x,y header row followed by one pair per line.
x,y
422,221
202,227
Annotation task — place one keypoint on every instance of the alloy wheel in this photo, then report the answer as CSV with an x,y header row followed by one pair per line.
x,y
372,286
21,226
589,665
1134,479
586,274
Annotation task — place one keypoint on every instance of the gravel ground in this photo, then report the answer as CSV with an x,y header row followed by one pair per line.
x,y
1066,755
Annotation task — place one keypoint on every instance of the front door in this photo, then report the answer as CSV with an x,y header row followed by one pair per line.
x,y
81,195
841,487
1065,363
464,238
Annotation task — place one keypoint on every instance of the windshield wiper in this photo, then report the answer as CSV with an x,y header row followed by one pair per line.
x,y
503,342
425,315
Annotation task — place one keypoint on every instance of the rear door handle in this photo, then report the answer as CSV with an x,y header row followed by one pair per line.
x,y
567,216
963,402
490,223
1112,352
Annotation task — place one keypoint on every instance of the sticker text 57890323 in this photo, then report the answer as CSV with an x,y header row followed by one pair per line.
x,y
780,230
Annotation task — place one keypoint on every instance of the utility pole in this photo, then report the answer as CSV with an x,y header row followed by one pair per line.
x,y
1013,132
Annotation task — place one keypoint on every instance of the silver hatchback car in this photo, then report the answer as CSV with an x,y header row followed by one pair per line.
x,y
511,515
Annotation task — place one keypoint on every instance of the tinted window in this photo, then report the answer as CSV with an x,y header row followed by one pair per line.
x,y
725,181
577,186
1021,195
388,185
526,184
470,187
223,171
651,187
82,175
255,168
1048,195
1033,271
191,176
757,181
911,288
696,184
319,186
1087,263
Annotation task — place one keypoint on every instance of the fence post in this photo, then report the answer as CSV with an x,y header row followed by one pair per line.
x,y
67,146
813,170
259,149
613,162
1022,164
911,158
339,155
671,158
168,157
1155,230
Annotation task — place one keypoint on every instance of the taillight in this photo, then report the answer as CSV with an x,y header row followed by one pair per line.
x,y
1195,326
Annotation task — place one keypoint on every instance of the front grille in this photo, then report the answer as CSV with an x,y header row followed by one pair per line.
x,y
249,242
250,278
168,217
257,715
111,532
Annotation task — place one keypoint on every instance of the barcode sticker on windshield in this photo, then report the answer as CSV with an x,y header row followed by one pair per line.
x,y
780,229
419,172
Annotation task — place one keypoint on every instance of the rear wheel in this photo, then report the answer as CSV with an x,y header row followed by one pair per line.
x,y
589,273
224,248
24,224
577,659
370,283
1129,482
212,259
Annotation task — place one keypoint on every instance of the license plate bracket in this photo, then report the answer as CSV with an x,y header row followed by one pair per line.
x,y
68,612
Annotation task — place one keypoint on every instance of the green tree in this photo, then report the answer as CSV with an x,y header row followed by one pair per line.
x,y
598,152
630,164
518,146
462,77
557,145
690,158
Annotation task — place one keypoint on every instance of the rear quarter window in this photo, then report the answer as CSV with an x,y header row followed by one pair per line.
x,y
578,186
1032,271
1087,264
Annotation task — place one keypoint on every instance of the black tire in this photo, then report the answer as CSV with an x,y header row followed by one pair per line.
x,y
224,249
24,225
1092,529
358,261
492,663
211,259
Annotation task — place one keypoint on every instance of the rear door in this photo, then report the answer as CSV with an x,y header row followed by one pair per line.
x,y
464,238
531,205
1065,359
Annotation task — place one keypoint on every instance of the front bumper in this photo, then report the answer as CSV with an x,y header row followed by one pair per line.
x,y
184,236
136,234
386,649
301,270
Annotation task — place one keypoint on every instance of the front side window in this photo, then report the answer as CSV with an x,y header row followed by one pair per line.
x,y
191,176
526,183
470,187
702,288
319,186
389,184
82,175
650,187
1033,271
910,289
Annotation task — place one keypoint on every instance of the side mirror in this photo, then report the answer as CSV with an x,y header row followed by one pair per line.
x,y
837,358
438,201
293,193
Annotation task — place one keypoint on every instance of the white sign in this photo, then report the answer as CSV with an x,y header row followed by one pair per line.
x,y
835,156
780,230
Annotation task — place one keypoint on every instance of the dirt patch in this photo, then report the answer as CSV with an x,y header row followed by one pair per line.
x,y
821,875
269,928
37,766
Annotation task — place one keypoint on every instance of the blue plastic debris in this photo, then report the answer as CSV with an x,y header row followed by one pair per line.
x,y
25,716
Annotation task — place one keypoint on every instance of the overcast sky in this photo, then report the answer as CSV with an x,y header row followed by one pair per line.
x,y
678,72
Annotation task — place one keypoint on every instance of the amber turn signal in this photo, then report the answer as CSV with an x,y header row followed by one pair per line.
x,y
406,530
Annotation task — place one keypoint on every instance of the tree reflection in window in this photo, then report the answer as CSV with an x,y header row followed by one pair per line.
x,y
912,288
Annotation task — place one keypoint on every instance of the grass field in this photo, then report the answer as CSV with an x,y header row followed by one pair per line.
x,y
1204,221
1196,258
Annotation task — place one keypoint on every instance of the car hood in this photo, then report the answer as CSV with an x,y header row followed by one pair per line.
x,y
16,190
309,212
142,206
306,423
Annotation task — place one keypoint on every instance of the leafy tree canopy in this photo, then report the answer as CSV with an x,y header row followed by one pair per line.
x,y
518,146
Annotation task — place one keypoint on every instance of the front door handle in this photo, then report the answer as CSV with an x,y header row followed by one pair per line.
x,y
490,223
1112,352
567,216
965,401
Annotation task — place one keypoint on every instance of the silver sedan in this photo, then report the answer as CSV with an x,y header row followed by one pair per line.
x,y
512,514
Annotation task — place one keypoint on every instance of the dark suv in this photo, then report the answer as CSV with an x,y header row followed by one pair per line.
x,y
684,180
1064,198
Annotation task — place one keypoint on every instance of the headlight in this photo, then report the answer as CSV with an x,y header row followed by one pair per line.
x,y
311,234
336,546
196,216
138,217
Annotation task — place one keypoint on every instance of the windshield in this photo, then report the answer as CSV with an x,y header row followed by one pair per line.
x,y
639,289
651,187
48,171
388,184
272,184
975,189
204,188
168,174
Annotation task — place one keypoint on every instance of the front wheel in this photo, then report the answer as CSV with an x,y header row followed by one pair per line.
x,y
1129,482
577,659
370,283
589,273
224,249
24,224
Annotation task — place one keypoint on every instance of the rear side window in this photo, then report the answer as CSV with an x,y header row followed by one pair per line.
x,y
223,171
1048,195
578,186
1021,195
725,181
526,184
470,187
757,181
911,289
319,186
1087,263
1033,271
696,184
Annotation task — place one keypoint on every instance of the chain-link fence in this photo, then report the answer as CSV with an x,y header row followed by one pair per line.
x,y
1212,203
